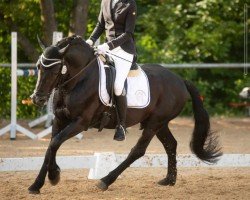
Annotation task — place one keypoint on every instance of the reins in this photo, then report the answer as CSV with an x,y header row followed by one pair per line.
x,y
111,54
72,78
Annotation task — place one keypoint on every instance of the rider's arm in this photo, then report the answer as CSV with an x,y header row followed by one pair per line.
x,y
129,28
99,29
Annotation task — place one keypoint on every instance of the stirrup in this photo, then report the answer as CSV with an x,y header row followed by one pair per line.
x,y
120,133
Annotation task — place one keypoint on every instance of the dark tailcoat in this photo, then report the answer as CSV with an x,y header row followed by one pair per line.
x,y
119,24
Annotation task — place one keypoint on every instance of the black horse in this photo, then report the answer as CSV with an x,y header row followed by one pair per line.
x,y
77,107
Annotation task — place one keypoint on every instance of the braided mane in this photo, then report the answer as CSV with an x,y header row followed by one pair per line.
x,y
74,39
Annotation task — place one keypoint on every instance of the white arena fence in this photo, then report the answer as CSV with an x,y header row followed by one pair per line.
x,y
170,66
100,164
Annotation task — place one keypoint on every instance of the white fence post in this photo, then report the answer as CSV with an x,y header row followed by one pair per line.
x,y
13,127
13,84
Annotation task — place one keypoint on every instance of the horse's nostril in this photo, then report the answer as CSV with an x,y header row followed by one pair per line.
x,y
39,101
31,96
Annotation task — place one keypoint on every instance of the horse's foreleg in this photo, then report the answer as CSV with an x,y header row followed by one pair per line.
x,y
136,152
69,131
39,182
170,145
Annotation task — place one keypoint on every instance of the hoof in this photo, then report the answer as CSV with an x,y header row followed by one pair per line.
x,y
33,191
166,181
101,185
55,177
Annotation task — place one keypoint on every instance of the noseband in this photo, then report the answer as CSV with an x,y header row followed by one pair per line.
x,y
57,61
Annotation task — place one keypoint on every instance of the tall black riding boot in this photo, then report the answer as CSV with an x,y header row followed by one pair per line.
x,y
121,106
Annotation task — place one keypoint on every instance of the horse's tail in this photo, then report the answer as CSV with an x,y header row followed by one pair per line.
x,y
204,143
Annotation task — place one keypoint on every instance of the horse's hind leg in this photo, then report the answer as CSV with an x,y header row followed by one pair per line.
x,y
170,145
136,152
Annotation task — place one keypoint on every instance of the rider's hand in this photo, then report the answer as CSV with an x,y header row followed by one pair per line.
x,y
90,42
103,48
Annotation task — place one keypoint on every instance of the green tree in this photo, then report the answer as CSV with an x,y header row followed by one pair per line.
x,y
33,17
167,31
207,31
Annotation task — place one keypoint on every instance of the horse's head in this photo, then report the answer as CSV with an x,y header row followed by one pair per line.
x,y
50,67
54,63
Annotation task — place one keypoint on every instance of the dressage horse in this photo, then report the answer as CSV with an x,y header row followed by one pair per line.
x,y
71,69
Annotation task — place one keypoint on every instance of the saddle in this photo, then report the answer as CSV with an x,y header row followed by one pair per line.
x,y
111,74
136,85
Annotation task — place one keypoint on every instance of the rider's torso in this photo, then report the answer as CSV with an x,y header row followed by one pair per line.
x,y
115,21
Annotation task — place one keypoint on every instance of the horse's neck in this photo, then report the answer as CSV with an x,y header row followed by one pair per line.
x,y
88,76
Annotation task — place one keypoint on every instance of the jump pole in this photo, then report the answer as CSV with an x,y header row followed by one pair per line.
x,y
13,127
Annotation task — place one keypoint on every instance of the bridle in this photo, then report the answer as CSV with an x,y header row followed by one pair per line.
x,y
56,61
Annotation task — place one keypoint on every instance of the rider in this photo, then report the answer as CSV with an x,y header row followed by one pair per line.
x,y
117,18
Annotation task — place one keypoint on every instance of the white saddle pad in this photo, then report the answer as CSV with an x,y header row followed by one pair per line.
x,y
138,91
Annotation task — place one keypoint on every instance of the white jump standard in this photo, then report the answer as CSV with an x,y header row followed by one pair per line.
x,y
13,127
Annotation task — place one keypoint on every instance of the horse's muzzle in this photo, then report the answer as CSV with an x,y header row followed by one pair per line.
x,y
39,100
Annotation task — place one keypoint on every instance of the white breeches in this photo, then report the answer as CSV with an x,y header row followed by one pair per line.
x,y
122,68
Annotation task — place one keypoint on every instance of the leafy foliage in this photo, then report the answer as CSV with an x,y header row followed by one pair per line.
x,y
167,31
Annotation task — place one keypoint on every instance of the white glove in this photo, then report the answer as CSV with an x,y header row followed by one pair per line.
x,y
103,48
90,42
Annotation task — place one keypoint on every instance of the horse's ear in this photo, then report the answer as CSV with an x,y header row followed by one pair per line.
x,y
41,44
63,50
